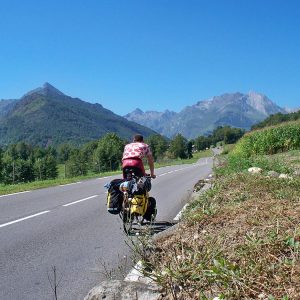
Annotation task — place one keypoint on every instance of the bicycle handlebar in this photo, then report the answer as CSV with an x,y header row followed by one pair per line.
x,y
149,176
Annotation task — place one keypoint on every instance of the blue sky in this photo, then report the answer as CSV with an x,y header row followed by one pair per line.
x,y
155,55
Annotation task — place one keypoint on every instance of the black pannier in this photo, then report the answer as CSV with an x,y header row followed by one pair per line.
x,y
151,211
143,186
114,197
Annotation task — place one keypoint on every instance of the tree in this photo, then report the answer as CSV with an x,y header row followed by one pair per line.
x,y
158,145
232,135
227,134
63,155
64,152
17,170
1,164
190,149
202,142
88,152
23,150
179,147
76,165
46,167
108,155
51,151
12,152
38,153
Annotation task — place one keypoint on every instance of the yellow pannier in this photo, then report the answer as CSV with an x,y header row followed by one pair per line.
x,y
139,204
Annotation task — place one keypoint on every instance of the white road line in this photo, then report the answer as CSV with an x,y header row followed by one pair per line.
x,y
81,200
169,172
70,183
14,194
26,218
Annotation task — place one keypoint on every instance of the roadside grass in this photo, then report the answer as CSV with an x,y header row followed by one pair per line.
x,y
238,240
227,148
291,158
61,180
286,162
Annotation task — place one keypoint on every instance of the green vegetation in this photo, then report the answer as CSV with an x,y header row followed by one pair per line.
x,y
23,163
277,119
181,147
241,238
227,148
61,179
270,140
158,144
24,167
253,148
226,135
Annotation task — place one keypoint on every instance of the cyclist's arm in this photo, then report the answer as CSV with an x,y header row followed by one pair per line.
x,y
151,165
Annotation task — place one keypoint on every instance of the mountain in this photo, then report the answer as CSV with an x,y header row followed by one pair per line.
x,y
46,116
152,119
233,109
6,106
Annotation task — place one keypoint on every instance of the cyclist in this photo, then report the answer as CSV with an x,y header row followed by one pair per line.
x,y
134,153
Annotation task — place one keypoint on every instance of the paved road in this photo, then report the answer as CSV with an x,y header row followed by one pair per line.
x,y
68,227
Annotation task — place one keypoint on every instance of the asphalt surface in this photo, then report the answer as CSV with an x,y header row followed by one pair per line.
x,y
68,228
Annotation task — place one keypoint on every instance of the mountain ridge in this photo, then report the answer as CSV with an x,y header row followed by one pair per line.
x,y
46,116
233,109
46,89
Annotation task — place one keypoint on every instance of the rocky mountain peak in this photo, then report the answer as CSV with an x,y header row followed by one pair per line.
x,y
138,111
45,90
262,103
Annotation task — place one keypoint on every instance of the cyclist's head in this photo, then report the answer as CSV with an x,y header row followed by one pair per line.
x,y
138,138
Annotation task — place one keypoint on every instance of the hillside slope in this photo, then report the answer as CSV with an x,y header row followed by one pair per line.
x,y
45,116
